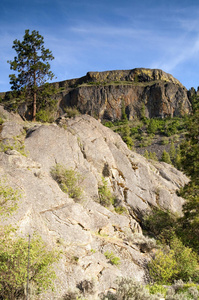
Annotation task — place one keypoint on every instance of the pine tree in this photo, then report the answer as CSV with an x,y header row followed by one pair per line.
x,y
190,148
166,157
32,66
172,151
177,160
152,127
146,154
152,155
190,164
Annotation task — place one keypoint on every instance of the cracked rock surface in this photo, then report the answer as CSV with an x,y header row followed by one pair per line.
x,y
85,230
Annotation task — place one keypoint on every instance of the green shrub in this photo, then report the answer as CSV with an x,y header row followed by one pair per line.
x,y
68,180
14,261
163,225
9,198
186,259
71,112
187,285
5,146
125,130
17,143
183,260
144,243
128,140
152,126
146,141
160,224
146,154
192,294
114,260
128,289
170,127
162,268
164,141
109,124
45,116
157,288
105,195
120,210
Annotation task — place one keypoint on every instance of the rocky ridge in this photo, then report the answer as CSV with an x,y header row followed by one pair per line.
x,y
138,92
108,95
85,230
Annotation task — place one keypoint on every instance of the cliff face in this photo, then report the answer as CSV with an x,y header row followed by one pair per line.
x,y
85,230
140,92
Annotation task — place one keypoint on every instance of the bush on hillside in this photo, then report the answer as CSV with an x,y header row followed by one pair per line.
x,y
68,180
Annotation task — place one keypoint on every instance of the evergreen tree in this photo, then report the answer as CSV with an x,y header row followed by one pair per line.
x,y
146,154
177,160
152,127
32,66
152,155
190,148
172,151
124,115
166,157
190,164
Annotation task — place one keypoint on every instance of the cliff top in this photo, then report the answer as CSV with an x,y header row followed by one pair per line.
x,y
137,75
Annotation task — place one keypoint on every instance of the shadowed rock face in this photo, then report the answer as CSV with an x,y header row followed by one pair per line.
x,y
86,230
141,92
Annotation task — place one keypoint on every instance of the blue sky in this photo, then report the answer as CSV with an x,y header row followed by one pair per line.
x,y
99,35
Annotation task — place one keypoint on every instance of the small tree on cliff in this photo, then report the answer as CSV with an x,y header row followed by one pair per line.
x,y
32,66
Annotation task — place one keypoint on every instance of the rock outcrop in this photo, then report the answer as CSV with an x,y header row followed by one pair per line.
x,y
85,230
138,92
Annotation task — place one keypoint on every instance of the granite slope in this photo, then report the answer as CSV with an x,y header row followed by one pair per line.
x,y
84,230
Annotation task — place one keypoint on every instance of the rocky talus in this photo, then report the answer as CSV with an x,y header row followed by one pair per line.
x,y
84,230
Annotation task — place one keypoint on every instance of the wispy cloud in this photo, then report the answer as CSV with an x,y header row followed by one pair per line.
x,y
99,35
180,56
